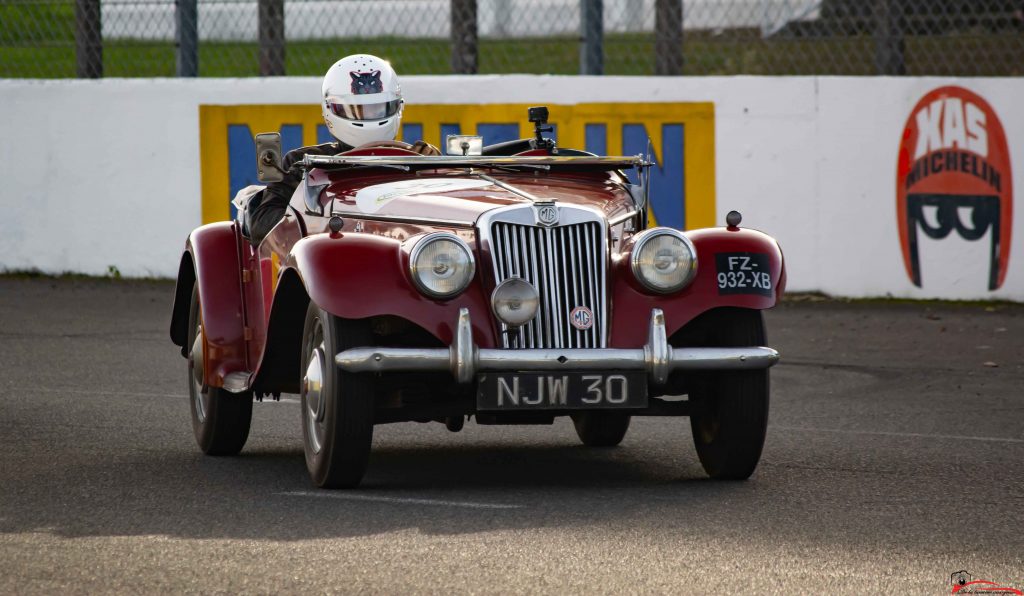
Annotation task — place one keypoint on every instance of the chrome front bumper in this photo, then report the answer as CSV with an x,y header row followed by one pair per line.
x,y
465,360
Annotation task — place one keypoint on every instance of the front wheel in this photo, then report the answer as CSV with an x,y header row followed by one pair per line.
x,y
731,406
220,419
337,407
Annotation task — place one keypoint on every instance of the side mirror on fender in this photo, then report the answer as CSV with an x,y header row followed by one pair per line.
x,y
269,165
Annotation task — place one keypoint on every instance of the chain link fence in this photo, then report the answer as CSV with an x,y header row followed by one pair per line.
x,y
228,38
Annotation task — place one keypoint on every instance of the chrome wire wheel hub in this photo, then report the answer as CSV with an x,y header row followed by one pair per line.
x,y
200,399
313,398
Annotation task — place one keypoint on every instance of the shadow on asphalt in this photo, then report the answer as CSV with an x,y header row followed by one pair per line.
x,y
266,494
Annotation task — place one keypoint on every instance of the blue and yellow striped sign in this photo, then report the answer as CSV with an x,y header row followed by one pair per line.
x,y
682,137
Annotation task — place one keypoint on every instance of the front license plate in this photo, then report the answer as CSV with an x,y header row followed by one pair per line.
x,y
743,273
553,391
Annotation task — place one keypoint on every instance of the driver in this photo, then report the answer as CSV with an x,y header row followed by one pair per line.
x,y
362,104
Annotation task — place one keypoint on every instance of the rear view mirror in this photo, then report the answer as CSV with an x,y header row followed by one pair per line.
x,y
269,166
464,145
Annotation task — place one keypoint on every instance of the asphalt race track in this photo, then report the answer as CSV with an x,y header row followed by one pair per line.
x,y
895,457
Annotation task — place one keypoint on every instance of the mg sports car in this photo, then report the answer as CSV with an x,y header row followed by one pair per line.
x,y
507,284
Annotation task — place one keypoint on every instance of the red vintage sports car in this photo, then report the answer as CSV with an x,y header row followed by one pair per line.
x,y
509,284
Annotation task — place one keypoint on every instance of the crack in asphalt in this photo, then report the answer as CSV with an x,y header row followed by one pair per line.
x,y
398,500
134,335
900,434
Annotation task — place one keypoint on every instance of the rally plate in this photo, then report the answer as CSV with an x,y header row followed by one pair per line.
x,y
561,391
743,273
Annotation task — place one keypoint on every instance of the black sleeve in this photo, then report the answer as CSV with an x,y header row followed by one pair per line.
x,y
265,215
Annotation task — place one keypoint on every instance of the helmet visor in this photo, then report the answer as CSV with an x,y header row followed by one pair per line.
x,y
366,111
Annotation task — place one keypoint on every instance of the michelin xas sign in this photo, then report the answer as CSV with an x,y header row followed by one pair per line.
x,y
682,137
953,177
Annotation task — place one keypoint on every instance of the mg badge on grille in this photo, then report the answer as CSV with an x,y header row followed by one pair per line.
x,y
547,214
582,318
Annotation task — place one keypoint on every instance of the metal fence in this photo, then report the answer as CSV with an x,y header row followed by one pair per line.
x,y
146,38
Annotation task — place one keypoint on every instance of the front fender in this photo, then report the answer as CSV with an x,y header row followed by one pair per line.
x,y
356,275
211,261
631,306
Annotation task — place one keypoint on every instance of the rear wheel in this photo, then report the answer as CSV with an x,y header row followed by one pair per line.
x,y
337,407
220,419
601,429
731,406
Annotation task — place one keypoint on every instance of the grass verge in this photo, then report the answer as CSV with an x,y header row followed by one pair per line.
x,y
50,53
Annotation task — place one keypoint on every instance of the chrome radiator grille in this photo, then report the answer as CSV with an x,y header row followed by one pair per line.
x,y
567,266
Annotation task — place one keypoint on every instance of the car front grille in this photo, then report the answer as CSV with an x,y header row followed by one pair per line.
x,y
567,266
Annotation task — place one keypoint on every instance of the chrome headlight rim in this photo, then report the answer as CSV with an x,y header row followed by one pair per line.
x,y
532,301
418,249
641,241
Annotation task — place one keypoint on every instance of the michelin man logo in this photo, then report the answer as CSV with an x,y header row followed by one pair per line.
x,y
953,174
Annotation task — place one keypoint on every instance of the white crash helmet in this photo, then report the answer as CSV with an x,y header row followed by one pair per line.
x,y
362,100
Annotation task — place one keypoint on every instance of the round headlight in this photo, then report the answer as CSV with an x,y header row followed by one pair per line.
x,y
664,260
441,265
515,302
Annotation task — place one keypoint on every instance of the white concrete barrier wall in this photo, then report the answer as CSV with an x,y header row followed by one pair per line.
x,y
106,173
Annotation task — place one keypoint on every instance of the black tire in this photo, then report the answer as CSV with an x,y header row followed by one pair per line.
x,y
602,428
337,420
220,419
732,406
